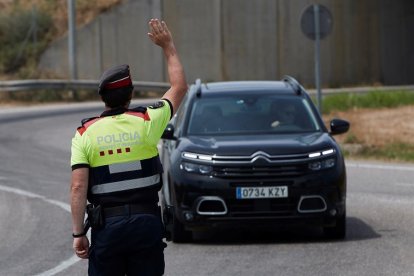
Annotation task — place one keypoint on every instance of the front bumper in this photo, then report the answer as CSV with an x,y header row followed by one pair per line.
x,y
315,199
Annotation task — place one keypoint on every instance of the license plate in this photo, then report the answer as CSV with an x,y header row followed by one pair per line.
x,y
261,192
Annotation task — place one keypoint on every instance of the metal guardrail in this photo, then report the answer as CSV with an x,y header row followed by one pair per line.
x,y
21,85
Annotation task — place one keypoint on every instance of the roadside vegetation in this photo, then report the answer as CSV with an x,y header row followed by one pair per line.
x,y
24,34
28,26
381,126
26,29
373,99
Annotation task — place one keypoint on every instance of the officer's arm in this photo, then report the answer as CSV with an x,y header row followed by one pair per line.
x,y
161,36
78,193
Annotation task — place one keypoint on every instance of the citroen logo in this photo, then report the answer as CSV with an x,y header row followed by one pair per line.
x,y
260,156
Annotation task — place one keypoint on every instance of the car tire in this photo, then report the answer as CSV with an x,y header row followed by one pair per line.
x,y
179,234
337,232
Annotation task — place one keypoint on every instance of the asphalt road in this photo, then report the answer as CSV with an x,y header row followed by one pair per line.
x,y
35,224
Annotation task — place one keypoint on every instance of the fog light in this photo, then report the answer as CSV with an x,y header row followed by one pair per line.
x,y
333,212
315,166
196,168
205,169
329,163
190,167
325,164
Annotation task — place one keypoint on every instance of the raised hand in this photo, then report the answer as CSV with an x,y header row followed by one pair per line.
x,y
159,33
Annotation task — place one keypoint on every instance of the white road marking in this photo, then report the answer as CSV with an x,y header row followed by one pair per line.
x,y
66,263
404,184
379,166
62,266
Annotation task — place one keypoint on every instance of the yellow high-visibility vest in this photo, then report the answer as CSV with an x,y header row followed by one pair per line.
x,y
120,150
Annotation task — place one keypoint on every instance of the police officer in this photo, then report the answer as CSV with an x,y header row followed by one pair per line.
x,y
115,166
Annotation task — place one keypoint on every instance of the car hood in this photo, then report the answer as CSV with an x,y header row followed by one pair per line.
x,y
249,144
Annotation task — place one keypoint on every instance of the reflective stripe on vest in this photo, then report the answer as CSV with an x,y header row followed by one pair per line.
x,y
126,185
123,177
125,167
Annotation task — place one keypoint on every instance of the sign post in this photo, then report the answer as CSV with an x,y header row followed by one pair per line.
x,y
72,39
316,23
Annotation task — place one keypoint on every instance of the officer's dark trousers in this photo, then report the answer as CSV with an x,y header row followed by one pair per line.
x,y
128,245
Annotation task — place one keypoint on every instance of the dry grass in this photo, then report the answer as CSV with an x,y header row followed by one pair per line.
x,y
379,134
86,11
378,127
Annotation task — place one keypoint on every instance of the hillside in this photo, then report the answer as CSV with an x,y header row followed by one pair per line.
x,y
86,10
28,26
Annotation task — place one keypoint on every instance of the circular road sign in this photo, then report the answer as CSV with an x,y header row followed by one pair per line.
x,y
307,22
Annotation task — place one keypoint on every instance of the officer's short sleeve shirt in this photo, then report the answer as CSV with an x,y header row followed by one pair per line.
x,y
159,114
80,149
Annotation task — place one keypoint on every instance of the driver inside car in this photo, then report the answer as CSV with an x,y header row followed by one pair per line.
x,y
282,114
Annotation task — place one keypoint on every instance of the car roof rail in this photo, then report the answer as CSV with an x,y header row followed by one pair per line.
x,y
294,84
198,87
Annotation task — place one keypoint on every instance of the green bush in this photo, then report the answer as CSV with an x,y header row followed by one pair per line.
x,y
351,138
23,36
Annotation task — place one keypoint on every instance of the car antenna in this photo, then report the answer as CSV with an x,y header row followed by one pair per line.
x,y
294,84
198,87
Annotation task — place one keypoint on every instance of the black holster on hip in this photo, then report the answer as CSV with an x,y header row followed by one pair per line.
x,y
96,217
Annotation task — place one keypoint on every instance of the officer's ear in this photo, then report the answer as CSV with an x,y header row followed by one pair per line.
x,y
106,105
130,99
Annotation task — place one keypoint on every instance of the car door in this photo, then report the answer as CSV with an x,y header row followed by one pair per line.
x,y
169,145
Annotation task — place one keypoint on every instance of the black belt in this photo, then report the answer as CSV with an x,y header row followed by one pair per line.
x,y
130,209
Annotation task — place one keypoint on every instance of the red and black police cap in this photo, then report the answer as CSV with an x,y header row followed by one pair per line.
x,y
114,78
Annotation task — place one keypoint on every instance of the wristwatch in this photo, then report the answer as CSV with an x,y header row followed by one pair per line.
x,y
78,235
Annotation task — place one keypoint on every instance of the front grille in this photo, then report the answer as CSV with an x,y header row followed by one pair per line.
x,y
259,172
255,183
260,165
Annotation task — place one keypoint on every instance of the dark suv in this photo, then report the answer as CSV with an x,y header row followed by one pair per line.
x,y
252,153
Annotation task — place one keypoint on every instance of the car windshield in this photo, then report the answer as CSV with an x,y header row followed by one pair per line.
x,y
264,114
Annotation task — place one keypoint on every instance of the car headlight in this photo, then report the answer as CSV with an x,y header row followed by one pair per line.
x,y
196,156
322,164
196,168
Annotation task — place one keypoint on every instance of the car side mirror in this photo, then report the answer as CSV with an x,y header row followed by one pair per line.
x,y
168,133
339,126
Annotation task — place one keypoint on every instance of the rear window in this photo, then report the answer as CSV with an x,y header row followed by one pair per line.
x,y
264,114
